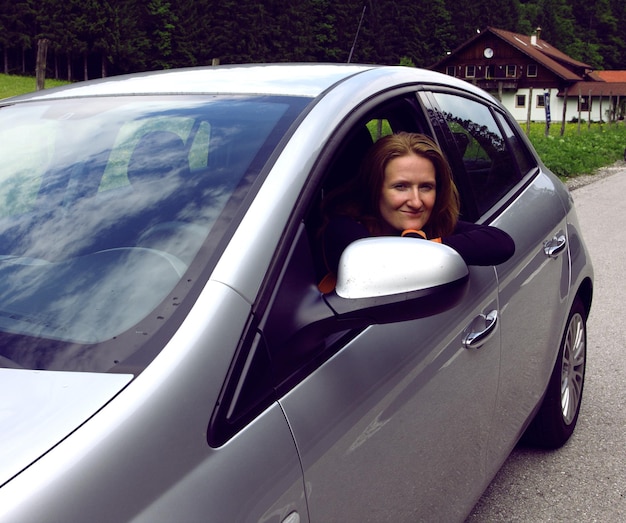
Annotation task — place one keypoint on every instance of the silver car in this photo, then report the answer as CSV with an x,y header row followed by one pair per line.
x,y
165,352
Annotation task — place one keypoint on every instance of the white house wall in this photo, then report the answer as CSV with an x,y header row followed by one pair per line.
x,y
538,114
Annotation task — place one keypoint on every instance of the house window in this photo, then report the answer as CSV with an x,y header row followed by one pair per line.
x,y
490,72
584,104
520,100
451,70
531,71
510,71
541,100
470,71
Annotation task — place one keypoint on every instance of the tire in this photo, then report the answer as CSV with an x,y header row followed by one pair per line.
x,y
556,419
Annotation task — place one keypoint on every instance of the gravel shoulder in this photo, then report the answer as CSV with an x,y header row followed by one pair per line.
x,y
604,172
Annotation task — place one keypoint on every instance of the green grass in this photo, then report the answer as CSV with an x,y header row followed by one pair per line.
x,y
577,153
11,85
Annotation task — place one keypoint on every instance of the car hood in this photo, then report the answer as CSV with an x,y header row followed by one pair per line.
x,y
40,408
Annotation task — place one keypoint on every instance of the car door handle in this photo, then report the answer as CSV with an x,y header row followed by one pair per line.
x,y
555,246
481,330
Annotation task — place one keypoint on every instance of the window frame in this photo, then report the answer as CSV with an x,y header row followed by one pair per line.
x,y
532,70
519,97
469,68
584,103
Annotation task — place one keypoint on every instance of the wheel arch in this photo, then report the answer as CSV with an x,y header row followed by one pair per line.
x,y
585,293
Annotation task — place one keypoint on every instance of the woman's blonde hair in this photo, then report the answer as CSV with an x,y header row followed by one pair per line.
x,y
360,198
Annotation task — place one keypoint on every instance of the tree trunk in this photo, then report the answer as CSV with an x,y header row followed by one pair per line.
x,y
600,109
564,112
589,112
69,67
546,105
529,110
580,102
40,66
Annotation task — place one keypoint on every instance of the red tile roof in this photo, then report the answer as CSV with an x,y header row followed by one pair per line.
x,y
612,76
596,89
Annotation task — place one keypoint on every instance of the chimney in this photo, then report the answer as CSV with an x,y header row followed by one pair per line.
x,y
535,37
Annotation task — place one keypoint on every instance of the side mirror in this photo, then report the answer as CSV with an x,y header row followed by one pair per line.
x,y
386,266
380,280
389,279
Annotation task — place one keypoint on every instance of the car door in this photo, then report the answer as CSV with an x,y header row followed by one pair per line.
x,y
391,421
494,159
394,426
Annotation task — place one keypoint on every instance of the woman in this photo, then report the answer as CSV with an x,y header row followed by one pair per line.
x,y
405,188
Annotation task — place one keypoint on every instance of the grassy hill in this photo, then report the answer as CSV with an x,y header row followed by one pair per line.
x,y
11,85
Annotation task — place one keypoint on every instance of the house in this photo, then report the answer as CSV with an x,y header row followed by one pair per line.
x,y
534,80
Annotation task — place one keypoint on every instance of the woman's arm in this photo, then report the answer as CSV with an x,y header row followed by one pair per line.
x,y
477,244
480,244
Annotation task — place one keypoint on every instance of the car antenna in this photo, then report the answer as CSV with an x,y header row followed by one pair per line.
x,y
357,34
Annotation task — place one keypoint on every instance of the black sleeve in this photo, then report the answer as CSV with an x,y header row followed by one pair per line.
x,y
480,244
340,232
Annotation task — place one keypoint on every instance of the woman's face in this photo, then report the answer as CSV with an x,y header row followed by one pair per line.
x,y
408,193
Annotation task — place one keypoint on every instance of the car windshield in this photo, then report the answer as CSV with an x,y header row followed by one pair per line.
x,y
109,207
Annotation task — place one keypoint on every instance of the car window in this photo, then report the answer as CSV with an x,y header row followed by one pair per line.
x,y
379,127
105,205
489,162
525,160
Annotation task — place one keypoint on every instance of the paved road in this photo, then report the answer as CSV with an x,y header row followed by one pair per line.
x,y
585,481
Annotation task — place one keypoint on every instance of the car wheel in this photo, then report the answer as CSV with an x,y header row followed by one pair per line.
x,y
558,414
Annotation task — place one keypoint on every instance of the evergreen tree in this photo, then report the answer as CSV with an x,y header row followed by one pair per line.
x,y
190,40
125,45
159,22
431,35
599,34
133,35
6,29
20,22
616,56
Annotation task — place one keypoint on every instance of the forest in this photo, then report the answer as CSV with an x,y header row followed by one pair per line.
x,y
84,39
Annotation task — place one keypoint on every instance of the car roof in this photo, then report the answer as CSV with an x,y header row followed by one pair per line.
x,y
308,80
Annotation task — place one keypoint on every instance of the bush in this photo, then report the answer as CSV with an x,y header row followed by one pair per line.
x,y
577,153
